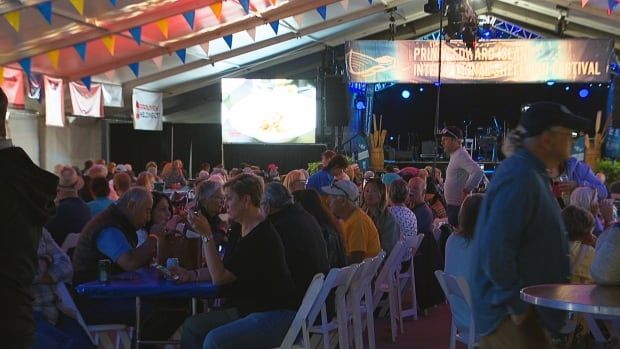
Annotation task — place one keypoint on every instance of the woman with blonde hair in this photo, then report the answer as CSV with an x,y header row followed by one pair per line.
x,y
295,180
146,180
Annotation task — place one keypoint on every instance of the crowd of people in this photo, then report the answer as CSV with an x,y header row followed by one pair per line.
x,y
265,235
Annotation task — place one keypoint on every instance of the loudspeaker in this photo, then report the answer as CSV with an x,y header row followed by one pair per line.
x,y
336,102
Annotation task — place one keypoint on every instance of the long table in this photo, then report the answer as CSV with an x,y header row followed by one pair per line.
x,y
147,283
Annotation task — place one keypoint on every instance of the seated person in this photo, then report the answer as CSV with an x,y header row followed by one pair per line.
x,y
112,235
253,275
459,254
417,204
605,268
172,175
361,239
435,200
100,191
579,224
374,203
304,246
72,213
53,327
406,219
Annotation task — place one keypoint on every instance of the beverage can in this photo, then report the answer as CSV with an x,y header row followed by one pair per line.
x,y
105,270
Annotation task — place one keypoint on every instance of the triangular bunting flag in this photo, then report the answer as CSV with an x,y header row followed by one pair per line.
x,y
111,75
252,33
86,81
273,2
81,49
25,63
46,10
13,18
584,3
246,5
181,53
275,25
135,68
136,34
79,6
611,5
1,75
345,4
189,17
370,2
205,48
109,41
322,10
159,60
299,19
163,27
228,39
54,57
113,2
217,9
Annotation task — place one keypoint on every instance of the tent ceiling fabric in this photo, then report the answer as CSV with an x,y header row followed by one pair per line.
x,y
301,31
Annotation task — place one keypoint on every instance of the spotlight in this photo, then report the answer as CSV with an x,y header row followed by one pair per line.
x,y
550,83
405,94
360,102
487,30
584,93
391,138
567,88
421,89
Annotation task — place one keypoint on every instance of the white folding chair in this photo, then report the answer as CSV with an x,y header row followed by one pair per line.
x,y
361,288
338,279
71,241
299,323
386,282
456,288
96,333
412,243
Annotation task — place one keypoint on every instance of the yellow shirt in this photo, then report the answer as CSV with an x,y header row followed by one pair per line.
x,y
360,235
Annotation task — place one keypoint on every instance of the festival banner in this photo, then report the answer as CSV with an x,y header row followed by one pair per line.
x,y
54,102
13,87
112,95
35,83
85,102
511,61
147,110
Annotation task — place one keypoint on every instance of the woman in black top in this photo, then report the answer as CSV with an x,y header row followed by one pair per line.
x,y
253,275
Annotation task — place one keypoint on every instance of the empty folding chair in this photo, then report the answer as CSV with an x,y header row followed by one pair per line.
x,y
456,290
299,323
408,278
338,279
360,300
386,282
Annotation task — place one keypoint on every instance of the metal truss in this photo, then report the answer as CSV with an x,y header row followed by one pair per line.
x,y
500,29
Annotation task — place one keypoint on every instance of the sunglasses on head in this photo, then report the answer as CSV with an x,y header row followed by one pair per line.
x,y
447,132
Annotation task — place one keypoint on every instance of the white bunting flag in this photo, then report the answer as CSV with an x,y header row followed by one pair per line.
x,y
54,102
112,95
147,110
86,102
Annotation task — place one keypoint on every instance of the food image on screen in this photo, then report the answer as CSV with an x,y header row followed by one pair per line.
x,y
268,111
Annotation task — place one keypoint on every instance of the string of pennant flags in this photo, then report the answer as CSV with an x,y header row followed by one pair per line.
x,y
109,41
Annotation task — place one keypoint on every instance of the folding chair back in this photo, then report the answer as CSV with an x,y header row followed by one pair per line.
x,y
457,288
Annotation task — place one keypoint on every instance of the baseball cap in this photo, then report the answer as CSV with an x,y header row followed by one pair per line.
x,y
451,131
344,188
121,168
541,116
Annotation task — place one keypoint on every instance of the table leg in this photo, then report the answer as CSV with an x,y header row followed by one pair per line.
x,y
137,322
194,305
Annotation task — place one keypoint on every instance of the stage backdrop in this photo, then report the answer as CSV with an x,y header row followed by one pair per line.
x,y
513,61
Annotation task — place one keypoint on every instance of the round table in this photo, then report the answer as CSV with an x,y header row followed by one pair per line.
x,y
589,299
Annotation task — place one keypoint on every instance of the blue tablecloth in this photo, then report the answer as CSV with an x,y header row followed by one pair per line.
x,y
145,283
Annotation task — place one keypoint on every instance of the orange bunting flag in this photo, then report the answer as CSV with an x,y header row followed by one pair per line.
x,y
79,6
54,57
1,75
13,18
273,2
217,9
109,42
163,27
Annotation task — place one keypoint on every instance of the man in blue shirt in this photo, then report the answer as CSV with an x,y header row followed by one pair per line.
x,y
520,239
323,177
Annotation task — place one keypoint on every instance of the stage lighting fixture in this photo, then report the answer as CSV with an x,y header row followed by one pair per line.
x,y
567,88
584,93
405,94
431,6
421,89
462,22
525,107
487,30
562,22
360,102
550,83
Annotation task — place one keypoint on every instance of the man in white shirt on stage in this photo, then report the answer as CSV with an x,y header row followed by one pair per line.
x,y
463,174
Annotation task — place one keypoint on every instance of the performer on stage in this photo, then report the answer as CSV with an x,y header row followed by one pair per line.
x,y
462,175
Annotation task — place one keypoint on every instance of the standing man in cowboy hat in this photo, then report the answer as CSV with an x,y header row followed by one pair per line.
x,y
72,213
